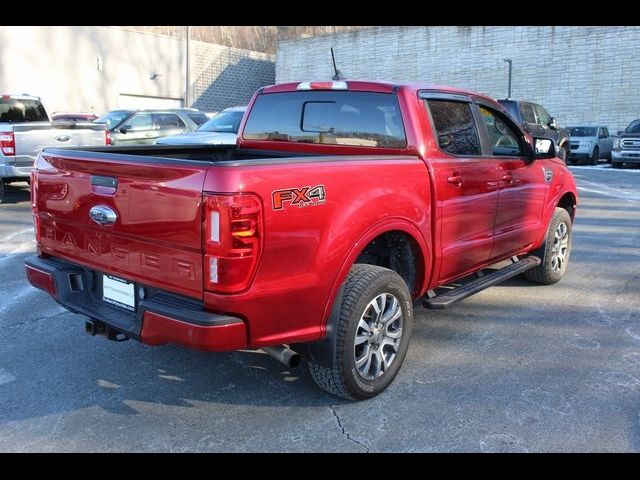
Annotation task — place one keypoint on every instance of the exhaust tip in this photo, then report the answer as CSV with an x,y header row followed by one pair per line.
x,y
294,361
284,355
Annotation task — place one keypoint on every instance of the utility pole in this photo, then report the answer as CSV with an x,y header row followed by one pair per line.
x,y
187,89
509,61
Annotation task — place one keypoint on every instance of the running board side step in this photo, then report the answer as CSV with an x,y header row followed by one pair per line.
x,y
446,299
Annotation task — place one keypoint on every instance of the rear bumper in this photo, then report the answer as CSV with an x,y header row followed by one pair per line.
x,y
18,166
160,317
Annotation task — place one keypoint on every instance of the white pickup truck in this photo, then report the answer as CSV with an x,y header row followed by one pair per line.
x,y
26,128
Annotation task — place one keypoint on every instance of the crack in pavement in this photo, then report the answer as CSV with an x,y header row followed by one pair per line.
x,y
251,373
44,317
345,433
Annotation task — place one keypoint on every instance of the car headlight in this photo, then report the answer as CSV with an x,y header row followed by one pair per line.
x,y
616,144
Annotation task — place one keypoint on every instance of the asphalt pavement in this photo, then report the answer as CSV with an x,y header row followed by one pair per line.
x,y
515,368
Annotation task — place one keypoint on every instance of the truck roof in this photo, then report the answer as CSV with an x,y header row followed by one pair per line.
x,y
20,96
378,86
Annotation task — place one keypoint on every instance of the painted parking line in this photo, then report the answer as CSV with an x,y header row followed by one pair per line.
x,y
607,190
608,168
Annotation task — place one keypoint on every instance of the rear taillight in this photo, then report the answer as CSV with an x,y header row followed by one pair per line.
x,y
107,137
33,183
8,144
232,241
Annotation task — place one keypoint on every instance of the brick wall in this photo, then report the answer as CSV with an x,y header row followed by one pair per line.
x,y
580,74
224,77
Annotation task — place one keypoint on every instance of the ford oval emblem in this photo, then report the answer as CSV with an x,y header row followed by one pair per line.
x,y
103,215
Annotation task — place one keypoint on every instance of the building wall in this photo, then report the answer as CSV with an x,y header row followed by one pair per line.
x,y
78,68
225,76
580,74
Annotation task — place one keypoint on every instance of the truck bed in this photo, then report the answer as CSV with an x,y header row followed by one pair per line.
x,y
200,153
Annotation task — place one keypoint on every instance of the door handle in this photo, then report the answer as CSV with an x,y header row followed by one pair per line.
x,y
455,179
148,134
508,178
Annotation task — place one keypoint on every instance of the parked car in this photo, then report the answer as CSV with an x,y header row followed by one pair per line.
x,y
76,117
537,121
221,129
626,148
590,142
127,127
341,204
26,128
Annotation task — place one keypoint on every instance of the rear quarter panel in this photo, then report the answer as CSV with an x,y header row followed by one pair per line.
x,y
308,250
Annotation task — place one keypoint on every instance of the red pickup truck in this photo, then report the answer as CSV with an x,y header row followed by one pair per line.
x,y
341,205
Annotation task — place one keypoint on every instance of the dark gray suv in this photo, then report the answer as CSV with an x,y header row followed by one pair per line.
x,y
146,126
537,121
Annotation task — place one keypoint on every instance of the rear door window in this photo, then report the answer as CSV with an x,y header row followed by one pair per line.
x,y
198,118
15,110
327,117
167,121
455,127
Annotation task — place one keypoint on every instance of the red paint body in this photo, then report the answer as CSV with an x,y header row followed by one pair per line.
x,y
500,208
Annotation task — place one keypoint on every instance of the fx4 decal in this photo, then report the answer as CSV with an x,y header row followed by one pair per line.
x,y
300,197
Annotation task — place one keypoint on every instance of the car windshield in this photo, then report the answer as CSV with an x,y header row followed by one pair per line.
x,y
227,121
14,110
582,131
113,118
634,127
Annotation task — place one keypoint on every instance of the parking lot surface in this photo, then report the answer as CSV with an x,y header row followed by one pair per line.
x,y
515,368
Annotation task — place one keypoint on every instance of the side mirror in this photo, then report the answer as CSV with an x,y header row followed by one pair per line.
x,y
543,148
445,140
553,124
619,132
124,129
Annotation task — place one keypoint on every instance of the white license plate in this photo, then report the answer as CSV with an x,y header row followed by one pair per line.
x,y
119,292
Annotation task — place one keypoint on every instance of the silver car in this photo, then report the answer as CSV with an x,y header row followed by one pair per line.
x,y
591,143
222,129
146,126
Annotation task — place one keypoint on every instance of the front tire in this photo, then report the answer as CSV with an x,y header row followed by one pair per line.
x,y
563,153
595,156
373,330
557,249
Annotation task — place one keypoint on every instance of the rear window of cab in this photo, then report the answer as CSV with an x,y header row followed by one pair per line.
x,y
365,119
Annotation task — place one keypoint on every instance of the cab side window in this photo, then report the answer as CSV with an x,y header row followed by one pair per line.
x,y
504,138
455,127
528,114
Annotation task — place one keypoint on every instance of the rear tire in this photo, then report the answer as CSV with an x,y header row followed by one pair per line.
x,y
557,249
373,330
1,190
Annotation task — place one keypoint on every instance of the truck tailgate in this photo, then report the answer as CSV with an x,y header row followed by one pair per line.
x,y
156,236
32,137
